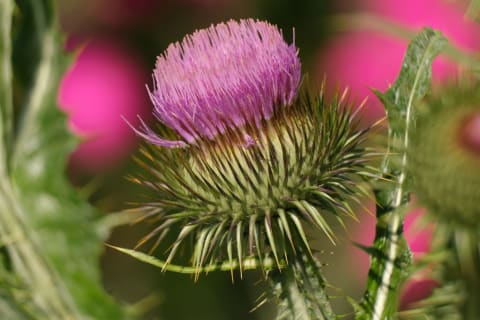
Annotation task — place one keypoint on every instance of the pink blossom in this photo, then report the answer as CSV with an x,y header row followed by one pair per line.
x,y
416,289
363,59
222,77
105,83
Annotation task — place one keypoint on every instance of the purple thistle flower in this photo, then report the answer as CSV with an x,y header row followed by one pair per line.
x,y
220,78
221,91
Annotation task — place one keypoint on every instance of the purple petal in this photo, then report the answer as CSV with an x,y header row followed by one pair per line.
x,y
223,77
151,137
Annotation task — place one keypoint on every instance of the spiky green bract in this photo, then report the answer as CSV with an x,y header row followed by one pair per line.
x,y
446,172
390,255
238,201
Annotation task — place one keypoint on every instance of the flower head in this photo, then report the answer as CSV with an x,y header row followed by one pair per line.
x,y
261,158
222,77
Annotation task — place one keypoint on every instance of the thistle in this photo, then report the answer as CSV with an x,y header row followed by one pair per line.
x,y
220,78
446,156
246,158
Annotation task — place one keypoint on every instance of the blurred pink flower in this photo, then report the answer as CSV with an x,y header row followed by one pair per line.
x,y
418,234
363,60
105,83
416,289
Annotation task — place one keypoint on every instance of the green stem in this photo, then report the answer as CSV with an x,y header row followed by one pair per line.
x,y
47,294
6,10
247,263
42,84
46,290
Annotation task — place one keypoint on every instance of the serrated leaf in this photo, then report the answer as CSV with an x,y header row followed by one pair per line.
x,y
390,255
56,244
413,82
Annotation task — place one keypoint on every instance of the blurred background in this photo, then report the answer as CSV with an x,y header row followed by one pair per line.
x,y
114,44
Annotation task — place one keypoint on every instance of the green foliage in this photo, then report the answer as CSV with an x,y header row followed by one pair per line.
x,y
52,243
390,255
457,275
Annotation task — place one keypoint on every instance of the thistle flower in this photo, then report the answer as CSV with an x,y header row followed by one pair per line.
x,y
222,77
262,159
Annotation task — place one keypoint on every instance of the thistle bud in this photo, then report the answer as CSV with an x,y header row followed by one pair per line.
x,y
258,159
445,157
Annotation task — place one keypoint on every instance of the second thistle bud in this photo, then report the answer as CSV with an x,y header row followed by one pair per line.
x,y
445,157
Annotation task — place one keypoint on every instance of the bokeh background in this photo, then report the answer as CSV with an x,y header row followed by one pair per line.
x,y
114,44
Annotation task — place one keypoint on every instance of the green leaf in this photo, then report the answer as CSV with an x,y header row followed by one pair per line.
x,y
55,243
390,254
413,82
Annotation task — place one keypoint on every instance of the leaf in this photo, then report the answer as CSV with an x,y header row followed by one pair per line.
x,y
390,255
413,82
56,243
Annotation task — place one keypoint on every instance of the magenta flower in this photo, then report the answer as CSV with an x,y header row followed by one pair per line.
x,y
222,78
416,289
104,84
